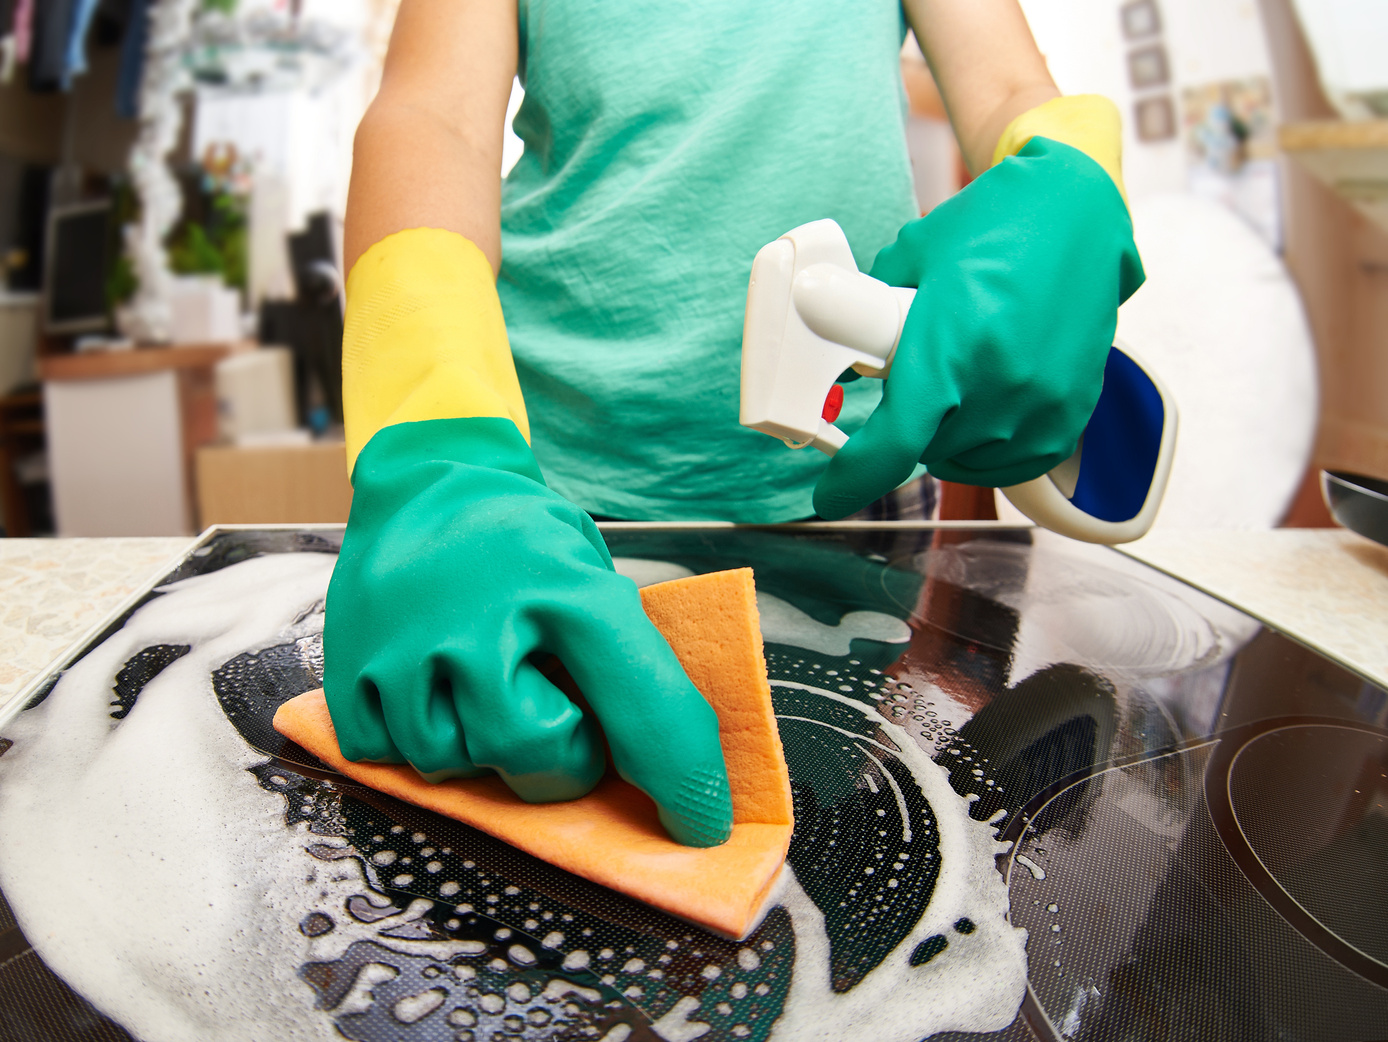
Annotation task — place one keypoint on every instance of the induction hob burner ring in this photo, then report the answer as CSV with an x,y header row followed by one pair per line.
x,y
1033,1011
1219,798
1027,816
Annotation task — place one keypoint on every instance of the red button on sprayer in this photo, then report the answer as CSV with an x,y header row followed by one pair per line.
x,y
833,405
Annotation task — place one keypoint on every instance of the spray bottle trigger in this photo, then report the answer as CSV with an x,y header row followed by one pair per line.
x,y
833,404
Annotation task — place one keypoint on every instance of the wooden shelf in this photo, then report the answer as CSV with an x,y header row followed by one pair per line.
x,y
1350,157
103,365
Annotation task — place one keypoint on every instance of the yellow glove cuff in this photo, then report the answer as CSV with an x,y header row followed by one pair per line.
x,y
1087,122
424,338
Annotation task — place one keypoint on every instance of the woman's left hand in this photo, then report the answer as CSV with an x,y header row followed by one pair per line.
x,y
1001,359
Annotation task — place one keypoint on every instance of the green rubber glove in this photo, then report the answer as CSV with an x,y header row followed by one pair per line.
x,y
453,576
1001,359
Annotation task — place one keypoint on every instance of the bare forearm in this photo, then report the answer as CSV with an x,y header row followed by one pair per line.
x,y
983,138
986,64
428,152
413,170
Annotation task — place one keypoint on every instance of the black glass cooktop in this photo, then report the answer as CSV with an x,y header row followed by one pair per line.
x,y
1041,792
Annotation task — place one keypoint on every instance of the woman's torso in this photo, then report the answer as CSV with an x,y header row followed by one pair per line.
x,y
665,144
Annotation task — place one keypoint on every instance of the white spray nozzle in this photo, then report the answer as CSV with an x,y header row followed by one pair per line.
x,y
811,314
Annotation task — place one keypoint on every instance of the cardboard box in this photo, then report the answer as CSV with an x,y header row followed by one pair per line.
x,y
281,484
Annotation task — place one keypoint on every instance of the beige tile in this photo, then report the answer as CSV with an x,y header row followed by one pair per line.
x,y
53,590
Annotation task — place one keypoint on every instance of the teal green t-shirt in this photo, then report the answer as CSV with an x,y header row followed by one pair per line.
x,y
665,143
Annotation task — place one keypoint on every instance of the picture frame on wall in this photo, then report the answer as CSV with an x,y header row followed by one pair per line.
x,y
1148,67
1155,119
1140,19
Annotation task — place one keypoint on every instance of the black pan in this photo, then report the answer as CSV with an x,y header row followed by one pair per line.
x,y
1357,502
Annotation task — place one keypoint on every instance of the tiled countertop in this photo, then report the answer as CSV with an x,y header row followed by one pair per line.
x,y
53,590
1327,588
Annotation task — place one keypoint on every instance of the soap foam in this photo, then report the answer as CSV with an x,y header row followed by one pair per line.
x,y
645,572
114,818
977,985
676,1025
784,623
781,621
131,810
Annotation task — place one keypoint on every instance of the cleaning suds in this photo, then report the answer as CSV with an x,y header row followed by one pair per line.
x,y
133,807
321,911
1037,872
781,621
925,889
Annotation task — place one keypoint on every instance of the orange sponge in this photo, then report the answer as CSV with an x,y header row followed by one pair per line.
x,y
612,836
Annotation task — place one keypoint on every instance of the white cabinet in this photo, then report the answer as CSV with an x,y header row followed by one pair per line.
x,y
122,429
115,456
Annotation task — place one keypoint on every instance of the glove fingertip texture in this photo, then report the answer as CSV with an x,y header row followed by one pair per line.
x,y
702,810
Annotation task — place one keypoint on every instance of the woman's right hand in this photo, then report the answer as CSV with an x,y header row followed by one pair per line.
x,y
458,570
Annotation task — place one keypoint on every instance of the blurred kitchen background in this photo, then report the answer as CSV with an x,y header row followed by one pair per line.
x,y
173,175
